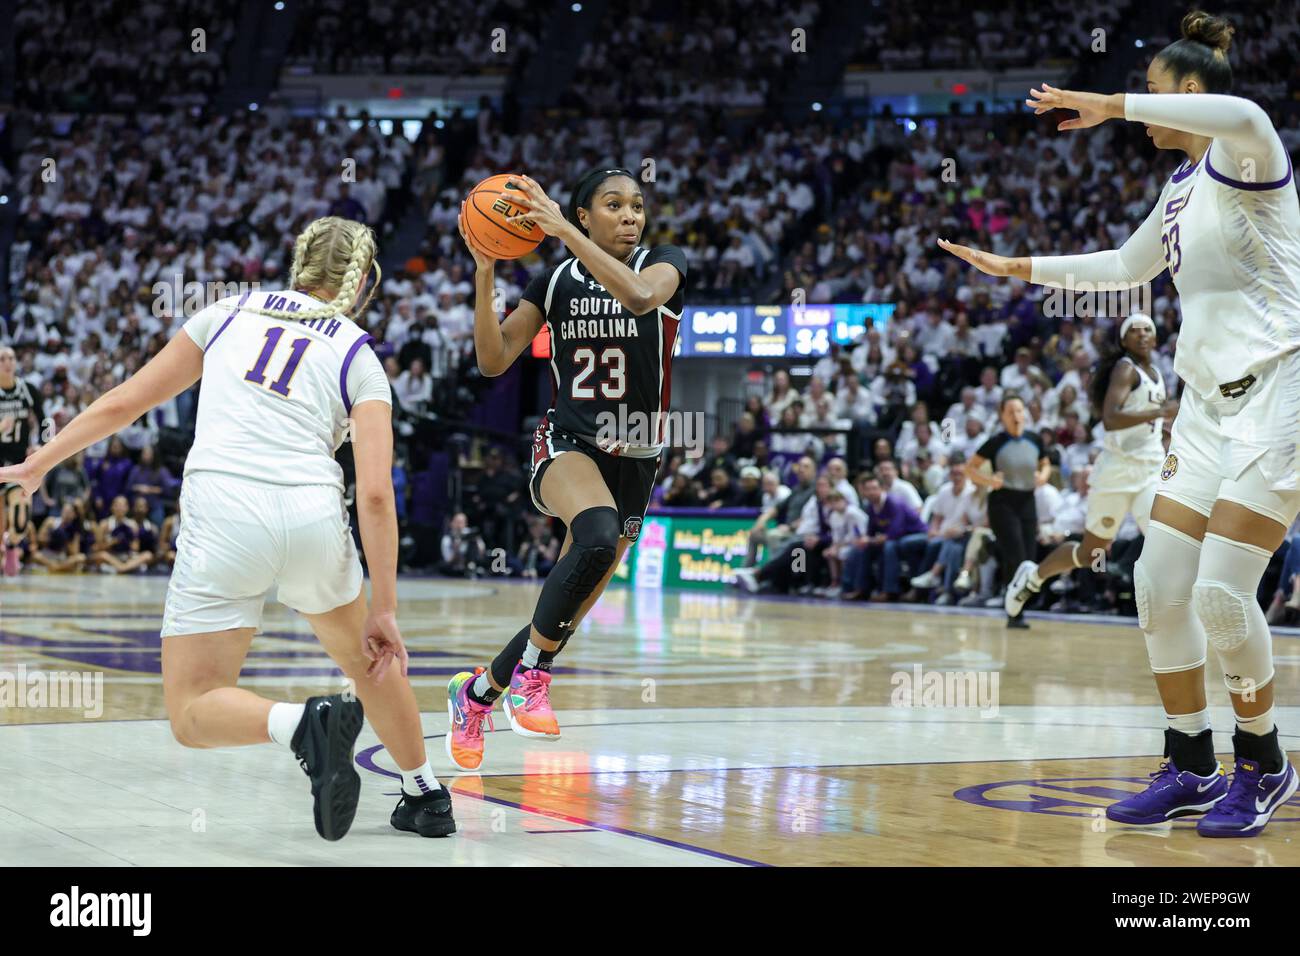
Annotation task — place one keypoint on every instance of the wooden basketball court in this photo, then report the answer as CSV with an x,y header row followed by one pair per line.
x,y
698,729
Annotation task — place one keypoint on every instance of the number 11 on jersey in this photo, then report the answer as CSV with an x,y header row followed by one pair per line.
x,y
257,374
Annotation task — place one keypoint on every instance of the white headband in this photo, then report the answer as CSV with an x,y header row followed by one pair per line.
x,y
1135,319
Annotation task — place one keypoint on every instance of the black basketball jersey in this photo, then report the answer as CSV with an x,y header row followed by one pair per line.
x,y
611,371
19,403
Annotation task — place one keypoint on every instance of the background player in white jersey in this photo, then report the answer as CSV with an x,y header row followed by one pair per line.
x,y
284,375
1227,228
1130,394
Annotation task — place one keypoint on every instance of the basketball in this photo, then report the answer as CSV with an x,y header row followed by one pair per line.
x,y
486,209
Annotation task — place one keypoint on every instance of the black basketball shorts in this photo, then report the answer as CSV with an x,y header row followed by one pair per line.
x,y
630,480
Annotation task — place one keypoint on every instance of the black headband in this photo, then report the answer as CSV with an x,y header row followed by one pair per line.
x,y
585,186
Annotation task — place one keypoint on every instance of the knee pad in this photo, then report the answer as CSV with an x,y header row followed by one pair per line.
x,y
1163,580
595,542
1224,603
576,575
1142,595
1223,613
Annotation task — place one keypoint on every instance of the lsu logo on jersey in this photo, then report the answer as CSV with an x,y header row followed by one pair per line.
x,y
1169,468
632,528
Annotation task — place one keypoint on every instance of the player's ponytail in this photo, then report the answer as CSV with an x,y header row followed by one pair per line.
x,y
331,253
586,187
1202,52
1097,388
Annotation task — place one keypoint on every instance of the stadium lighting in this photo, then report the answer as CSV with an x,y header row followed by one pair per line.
x,y
279,4
438,124
4,200
817,107
1139,44
576,7
252,107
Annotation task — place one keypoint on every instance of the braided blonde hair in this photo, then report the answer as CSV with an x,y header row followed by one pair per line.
x,y
331,253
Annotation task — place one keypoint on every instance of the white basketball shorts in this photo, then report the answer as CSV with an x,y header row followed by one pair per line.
x,y
1240,449
239,537
1116,487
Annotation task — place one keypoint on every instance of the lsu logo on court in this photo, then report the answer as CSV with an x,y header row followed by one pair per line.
x,y
632,528
1169,468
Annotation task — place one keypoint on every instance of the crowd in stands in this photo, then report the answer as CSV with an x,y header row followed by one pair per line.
x,y
140,201
386,36
119,55
730,54
952,34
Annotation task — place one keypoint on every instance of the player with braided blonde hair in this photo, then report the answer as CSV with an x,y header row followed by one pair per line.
x,y
285,376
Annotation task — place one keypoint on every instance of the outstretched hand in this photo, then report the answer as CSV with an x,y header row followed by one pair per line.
x,y
985,262
1093,108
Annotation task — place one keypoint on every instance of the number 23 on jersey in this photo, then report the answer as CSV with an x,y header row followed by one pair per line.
x,y
614,385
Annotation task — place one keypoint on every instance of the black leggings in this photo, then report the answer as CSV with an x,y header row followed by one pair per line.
x,y
1013,519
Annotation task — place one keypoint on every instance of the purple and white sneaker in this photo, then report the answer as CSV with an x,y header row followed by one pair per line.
x,y
1171,793
1252,799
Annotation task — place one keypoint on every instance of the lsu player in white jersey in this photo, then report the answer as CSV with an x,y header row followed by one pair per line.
x,y
284,376
1130,394
1227,227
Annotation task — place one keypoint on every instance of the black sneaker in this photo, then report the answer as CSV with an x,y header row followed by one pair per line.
x,y
323,745
428,815
1018,623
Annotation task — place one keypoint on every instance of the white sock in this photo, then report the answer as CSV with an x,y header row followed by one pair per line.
x,y
283,721
529,661
481,686
1190,724
1259,726
419,781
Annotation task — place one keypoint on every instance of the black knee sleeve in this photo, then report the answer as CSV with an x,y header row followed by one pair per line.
x,y
575,576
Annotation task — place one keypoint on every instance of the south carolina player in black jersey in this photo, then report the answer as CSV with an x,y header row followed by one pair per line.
x,y
612,311
19,422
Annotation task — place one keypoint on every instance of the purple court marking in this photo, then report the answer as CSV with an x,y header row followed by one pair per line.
x,y
366,758
610,828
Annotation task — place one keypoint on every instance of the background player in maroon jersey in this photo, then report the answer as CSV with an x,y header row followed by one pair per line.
x,y
612,311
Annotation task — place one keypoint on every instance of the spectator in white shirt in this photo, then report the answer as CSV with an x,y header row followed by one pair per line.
x,y
989,393
853,402
414,387
891,484
922,437
954,420
781,396
951,514
1020,376
972,438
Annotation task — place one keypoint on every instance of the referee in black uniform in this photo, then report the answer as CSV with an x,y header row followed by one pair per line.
x,y
1019,466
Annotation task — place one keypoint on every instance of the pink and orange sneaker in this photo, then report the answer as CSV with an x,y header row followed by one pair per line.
x,y
465,716
528,704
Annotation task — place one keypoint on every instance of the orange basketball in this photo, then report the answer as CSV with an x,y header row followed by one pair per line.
x,y
486,209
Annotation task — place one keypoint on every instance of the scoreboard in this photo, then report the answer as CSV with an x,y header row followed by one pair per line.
x,y
765,331
775,331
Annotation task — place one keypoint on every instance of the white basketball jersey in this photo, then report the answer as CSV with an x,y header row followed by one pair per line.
x,y
276,393
1142,442
1233,251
